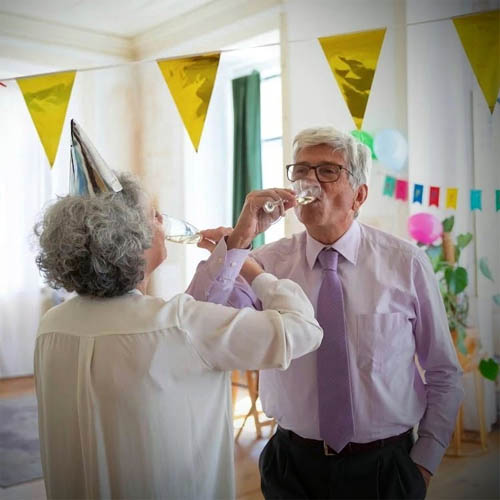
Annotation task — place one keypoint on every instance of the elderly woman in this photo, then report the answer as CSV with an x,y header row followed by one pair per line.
x,y
134,390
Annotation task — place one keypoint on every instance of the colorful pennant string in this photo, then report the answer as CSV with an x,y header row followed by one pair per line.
x,y
418,192
389,185
399,189
434,196
451,198
475,199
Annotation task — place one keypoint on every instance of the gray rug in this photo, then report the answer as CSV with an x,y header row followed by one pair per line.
x,y
19,445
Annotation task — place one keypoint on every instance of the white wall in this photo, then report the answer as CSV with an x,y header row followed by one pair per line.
x,y
455,142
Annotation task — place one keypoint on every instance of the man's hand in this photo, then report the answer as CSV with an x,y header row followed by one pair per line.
x,y
210,237
253,220
425,474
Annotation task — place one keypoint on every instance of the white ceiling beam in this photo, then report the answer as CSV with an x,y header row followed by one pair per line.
x,y
197,23
23,28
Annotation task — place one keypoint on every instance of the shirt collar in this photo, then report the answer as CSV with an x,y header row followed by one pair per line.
x,y
347,245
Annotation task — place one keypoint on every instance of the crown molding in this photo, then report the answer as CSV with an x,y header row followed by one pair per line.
x,y
199,22
24,28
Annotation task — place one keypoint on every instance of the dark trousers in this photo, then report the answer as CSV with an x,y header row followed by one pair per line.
x,y
292,470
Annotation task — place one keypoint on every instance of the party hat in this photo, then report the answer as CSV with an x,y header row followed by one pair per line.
x,y
89,174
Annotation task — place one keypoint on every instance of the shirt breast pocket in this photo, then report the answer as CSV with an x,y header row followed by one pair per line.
x,y
383,341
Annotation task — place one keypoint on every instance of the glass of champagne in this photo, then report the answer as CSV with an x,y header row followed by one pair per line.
x,y
180,231
306,190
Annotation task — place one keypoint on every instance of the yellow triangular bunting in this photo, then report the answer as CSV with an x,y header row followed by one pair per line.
x,y
191,80
353,59
480,37
47,99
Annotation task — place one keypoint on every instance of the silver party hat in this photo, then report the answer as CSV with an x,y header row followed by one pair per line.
x,y
89,174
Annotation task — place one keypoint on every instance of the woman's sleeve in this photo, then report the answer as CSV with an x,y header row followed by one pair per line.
x,y
228,338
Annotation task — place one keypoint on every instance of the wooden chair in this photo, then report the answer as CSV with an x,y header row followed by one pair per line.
x,y
469,363
252,385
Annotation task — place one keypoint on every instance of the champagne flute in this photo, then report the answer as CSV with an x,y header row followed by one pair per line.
x,y
180,231
306,191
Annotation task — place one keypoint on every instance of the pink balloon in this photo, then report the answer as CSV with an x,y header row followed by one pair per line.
x,y
425,228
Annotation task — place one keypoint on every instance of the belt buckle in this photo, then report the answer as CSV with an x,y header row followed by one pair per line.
x,y
327,451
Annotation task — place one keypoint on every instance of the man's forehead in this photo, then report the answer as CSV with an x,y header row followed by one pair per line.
x,y
321,152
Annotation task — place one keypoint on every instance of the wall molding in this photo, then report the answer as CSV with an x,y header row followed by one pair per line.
x,y
24,28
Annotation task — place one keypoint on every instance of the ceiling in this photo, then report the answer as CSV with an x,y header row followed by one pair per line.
x,y
123,18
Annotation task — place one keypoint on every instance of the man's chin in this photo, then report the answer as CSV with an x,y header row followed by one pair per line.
x,y
310,213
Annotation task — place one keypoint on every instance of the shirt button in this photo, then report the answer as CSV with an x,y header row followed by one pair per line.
x,y
232,264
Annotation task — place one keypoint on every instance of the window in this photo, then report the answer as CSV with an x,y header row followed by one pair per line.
x,y
272,144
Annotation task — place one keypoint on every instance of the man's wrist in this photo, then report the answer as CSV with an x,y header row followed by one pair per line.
x,y
237,241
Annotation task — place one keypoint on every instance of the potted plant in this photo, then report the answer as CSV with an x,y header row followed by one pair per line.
x,y
453,281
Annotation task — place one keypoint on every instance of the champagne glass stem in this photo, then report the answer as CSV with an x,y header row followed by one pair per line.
x,y
302,199
269,206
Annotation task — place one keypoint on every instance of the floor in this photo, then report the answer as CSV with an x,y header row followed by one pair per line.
x,y
475,476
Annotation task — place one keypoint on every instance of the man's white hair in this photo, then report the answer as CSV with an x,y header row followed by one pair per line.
x,y
356,155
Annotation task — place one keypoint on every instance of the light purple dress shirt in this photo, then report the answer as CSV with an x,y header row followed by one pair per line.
x,y
393,311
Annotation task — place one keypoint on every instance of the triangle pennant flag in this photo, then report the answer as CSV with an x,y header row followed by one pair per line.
x,y
47,99
353,60
191,80
480,37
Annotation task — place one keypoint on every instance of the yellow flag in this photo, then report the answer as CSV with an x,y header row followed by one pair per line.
x,y
353,59
47,99
451,198
480,36
191,80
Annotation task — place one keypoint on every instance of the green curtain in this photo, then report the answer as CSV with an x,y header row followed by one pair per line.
x,y
247,159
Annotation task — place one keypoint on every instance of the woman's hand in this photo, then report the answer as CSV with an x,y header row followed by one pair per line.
x,y
250,270
210,237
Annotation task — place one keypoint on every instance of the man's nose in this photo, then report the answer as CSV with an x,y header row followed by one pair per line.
x,y
311,175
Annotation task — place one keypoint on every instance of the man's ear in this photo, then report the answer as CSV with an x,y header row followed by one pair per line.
x,y
360,198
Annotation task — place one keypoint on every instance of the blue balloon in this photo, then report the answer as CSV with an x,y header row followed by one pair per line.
x,y
391,148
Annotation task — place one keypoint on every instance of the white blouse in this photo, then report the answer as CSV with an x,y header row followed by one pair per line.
x,y
134,391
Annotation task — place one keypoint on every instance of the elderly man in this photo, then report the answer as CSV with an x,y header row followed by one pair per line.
x,y
346,412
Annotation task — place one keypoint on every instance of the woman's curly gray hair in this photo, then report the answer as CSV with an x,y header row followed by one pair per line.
x,y
95,245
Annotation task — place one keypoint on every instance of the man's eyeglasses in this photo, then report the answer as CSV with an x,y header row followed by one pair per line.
x,y
326,172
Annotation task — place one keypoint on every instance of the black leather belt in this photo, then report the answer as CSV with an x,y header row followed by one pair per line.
x,y
349,449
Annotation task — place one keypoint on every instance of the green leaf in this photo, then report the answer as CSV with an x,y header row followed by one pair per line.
x,y
435,254
488,368
463,240
496,299
456,279
483,266
457,253
461,279
448,224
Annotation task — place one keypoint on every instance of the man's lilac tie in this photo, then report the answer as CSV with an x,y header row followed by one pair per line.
x,y
334,391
